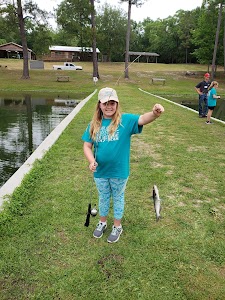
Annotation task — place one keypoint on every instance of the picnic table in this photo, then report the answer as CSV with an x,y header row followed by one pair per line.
x,y
63,78
162,80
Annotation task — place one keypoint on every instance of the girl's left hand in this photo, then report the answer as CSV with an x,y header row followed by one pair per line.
x,y
158,109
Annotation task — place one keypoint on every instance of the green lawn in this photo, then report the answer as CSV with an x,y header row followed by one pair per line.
x,y
46,252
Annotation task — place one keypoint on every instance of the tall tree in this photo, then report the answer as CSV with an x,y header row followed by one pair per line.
x,y
224,46
216,41
111,23
39,38
24,40
206,32
74,17
9,23
93,27
185,23
130,3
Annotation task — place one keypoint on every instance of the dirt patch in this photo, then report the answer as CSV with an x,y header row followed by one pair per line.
x,y
111,265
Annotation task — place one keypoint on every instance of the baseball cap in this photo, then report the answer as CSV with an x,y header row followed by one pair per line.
x,y
106,94
207,75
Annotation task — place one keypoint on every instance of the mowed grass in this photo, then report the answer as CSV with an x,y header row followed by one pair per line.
x,y
46,252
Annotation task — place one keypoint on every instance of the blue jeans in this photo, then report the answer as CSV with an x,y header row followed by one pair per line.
x,y
108,187
203,105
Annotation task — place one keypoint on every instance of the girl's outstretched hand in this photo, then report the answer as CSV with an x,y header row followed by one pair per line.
x,y
157,110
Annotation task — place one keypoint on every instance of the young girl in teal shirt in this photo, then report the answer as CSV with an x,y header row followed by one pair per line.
x,y
109,135
212,97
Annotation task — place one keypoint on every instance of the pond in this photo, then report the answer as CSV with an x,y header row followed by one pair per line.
x,y
24,123
192,102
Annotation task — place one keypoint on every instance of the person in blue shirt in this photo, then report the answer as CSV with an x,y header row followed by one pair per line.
x,y
212,97
107,142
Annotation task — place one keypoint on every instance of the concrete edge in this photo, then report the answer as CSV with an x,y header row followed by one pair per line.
x,y
15,180
183,106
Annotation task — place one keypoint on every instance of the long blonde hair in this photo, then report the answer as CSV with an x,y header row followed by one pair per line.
x,y
213,83
96,121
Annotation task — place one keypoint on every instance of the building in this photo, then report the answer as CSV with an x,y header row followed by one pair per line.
x,y
13,50
150,56
67,53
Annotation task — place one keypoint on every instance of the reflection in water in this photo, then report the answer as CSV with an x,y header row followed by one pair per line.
x,y
24,124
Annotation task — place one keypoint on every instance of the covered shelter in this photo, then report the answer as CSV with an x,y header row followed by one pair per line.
x,y
13,50
67,53
150,56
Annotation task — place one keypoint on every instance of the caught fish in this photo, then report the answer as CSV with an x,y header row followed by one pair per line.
x,y
157,202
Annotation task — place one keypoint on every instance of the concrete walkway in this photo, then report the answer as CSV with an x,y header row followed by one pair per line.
x,y
15,180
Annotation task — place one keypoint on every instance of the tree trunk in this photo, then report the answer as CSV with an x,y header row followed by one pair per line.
x,y
224,47
127,41
24,40
216,42
93,27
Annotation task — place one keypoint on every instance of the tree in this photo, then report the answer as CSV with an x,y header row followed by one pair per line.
x,y
39,38
37,32
216,40
93,27
205,33
24,40
9,23
130,3
186,22
224,46
111,25
74,17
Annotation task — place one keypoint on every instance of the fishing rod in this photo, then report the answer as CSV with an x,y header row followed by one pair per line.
x,y
91,211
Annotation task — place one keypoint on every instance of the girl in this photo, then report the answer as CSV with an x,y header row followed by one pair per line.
x,y
212,96
110,134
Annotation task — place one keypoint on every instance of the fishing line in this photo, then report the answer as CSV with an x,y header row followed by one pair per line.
x,y
127,68
117,82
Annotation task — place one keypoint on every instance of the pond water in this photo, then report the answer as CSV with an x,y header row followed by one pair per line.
x,y
192,102
24,124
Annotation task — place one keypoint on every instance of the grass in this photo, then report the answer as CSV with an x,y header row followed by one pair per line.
x,y
46,252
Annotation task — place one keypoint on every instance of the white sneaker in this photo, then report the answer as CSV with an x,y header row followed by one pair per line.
x,y
99,230
115,234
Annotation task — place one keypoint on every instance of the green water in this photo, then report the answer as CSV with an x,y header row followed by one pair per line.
x,y
24,124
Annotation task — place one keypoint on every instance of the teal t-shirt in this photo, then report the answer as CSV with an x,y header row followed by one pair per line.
x,y
211,100
113,152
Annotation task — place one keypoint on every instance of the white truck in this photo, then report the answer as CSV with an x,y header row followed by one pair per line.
x,y
67,66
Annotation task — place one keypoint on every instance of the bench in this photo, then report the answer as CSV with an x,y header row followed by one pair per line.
x,y
162,80
63,78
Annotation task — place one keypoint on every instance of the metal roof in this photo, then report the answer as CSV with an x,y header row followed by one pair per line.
x,y
143,53
72,49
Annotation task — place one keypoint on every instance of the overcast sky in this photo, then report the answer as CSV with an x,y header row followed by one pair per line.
x,y
153,9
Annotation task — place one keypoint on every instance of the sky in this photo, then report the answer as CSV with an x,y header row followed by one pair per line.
x,y
153,9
